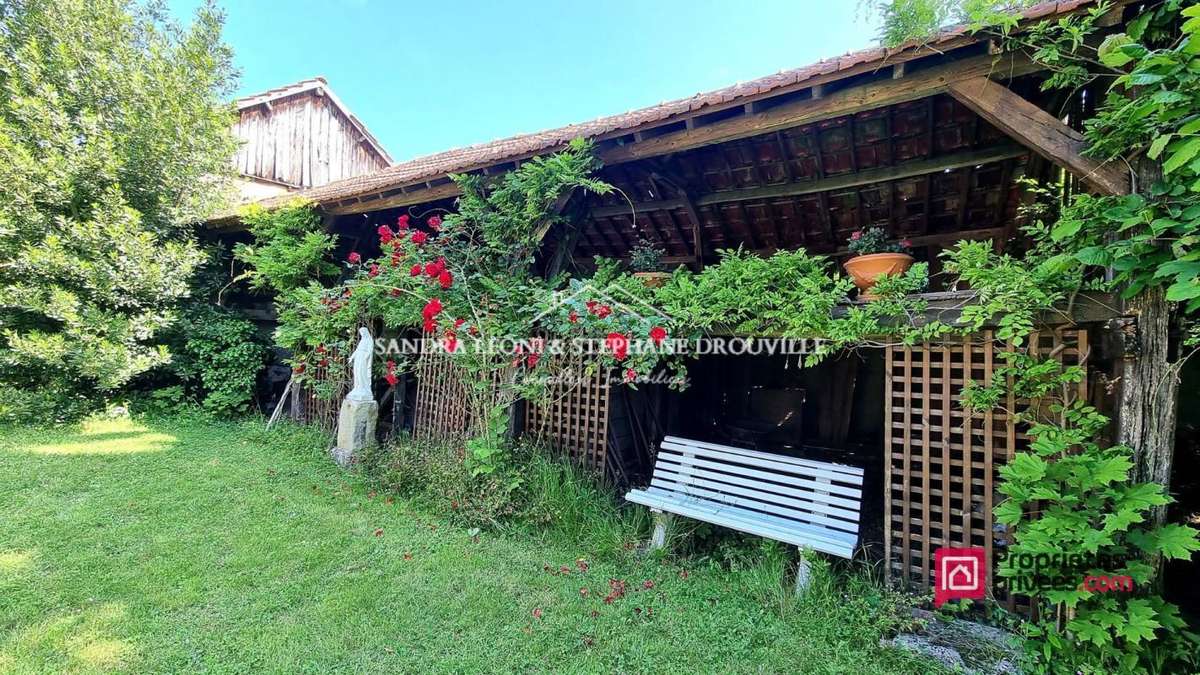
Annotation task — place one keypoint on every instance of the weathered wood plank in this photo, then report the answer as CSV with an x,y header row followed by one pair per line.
x,y
1039,131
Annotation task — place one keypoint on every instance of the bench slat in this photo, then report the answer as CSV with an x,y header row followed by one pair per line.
x,y
761,486
826,541
764,475
778,467
729,449
805,502
781,512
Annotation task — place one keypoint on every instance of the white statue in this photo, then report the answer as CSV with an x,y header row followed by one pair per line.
x,y
360,361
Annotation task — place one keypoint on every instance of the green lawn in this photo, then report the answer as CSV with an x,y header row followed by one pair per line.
x,y
198,545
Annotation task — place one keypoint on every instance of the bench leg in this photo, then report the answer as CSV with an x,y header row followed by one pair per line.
x,y
659,537
803,572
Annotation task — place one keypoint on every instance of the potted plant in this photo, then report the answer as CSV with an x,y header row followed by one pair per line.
x,y
875,255
645,259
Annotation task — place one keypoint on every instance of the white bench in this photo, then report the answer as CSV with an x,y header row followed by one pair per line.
x,y
809,504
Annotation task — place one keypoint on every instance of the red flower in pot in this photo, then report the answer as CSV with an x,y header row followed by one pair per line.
x,y
875,255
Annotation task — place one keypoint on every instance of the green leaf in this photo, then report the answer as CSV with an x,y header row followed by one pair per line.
x,y
1157,146
1088,631
1181,154
1176,541
1139,622
1183,290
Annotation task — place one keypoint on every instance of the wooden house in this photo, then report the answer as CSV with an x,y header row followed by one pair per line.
x,y
300,136
926,140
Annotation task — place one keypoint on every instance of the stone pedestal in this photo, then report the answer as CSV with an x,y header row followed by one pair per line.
x,y
356,430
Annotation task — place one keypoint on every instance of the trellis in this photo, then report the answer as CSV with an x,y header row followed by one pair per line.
x,y
941,461
310,407
439,409
573,418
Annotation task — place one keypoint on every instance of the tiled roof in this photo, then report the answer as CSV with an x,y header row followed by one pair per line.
x,y
501,151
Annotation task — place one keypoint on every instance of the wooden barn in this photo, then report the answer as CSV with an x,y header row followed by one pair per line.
x,y
300,136
928,141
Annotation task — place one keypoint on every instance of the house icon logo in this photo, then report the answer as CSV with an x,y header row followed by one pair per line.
x,y
959,573
617,299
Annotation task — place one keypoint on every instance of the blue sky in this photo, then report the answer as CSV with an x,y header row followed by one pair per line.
x,y
429,76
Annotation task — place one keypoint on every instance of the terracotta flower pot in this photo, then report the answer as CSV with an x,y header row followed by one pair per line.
x,y
653,279
865,270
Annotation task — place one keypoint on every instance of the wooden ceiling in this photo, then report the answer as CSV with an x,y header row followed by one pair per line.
x,y
928,170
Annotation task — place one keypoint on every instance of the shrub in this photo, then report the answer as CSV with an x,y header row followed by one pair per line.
x,y
530,490
219,357
113,140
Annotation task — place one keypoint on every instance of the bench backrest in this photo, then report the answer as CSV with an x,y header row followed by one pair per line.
x,y
802,491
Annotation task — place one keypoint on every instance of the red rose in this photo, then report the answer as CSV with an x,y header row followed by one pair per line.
x,y
432,309
630,375
432,270
391,379
856,235
573,317
395,292
603,311
298,369
445,279
385,234
532,359
618,343
402,222
435,223
459,322
419,238
430,326
373,271
354,258
591,305
415,270
451,343
320,349
658,334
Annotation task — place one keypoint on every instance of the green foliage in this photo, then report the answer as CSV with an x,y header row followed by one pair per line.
x,y
646,257
1011,291
875,240
220,358
113,140
1070,496
290,247
903,21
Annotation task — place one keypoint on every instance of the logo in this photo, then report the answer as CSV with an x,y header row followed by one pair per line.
x,y
612,296
959,573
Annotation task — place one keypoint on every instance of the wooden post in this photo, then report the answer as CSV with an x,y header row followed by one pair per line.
x,y
803,573
1146,411
662,521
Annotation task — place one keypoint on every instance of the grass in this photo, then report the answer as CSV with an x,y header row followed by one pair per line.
x,y
198,545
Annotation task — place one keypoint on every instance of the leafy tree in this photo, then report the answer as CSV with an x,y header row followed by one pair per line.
x,y
905,20
113,142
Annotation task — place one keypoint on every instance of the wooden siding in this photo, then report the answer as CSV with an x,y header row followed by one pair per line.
x,y
302,141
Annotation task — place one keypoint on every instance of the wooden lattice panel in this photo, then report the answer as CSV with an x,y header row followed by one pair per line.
x,y
318,401
439,409
941,462
574,416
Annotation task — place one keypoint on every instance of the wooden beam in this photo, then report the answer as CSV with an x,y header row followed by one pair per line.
x,y
875,94
429,194
879,175
1039,131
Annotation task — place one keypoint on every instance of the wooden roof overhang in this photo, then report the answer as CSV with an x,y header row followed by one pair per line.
x,y
925,142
